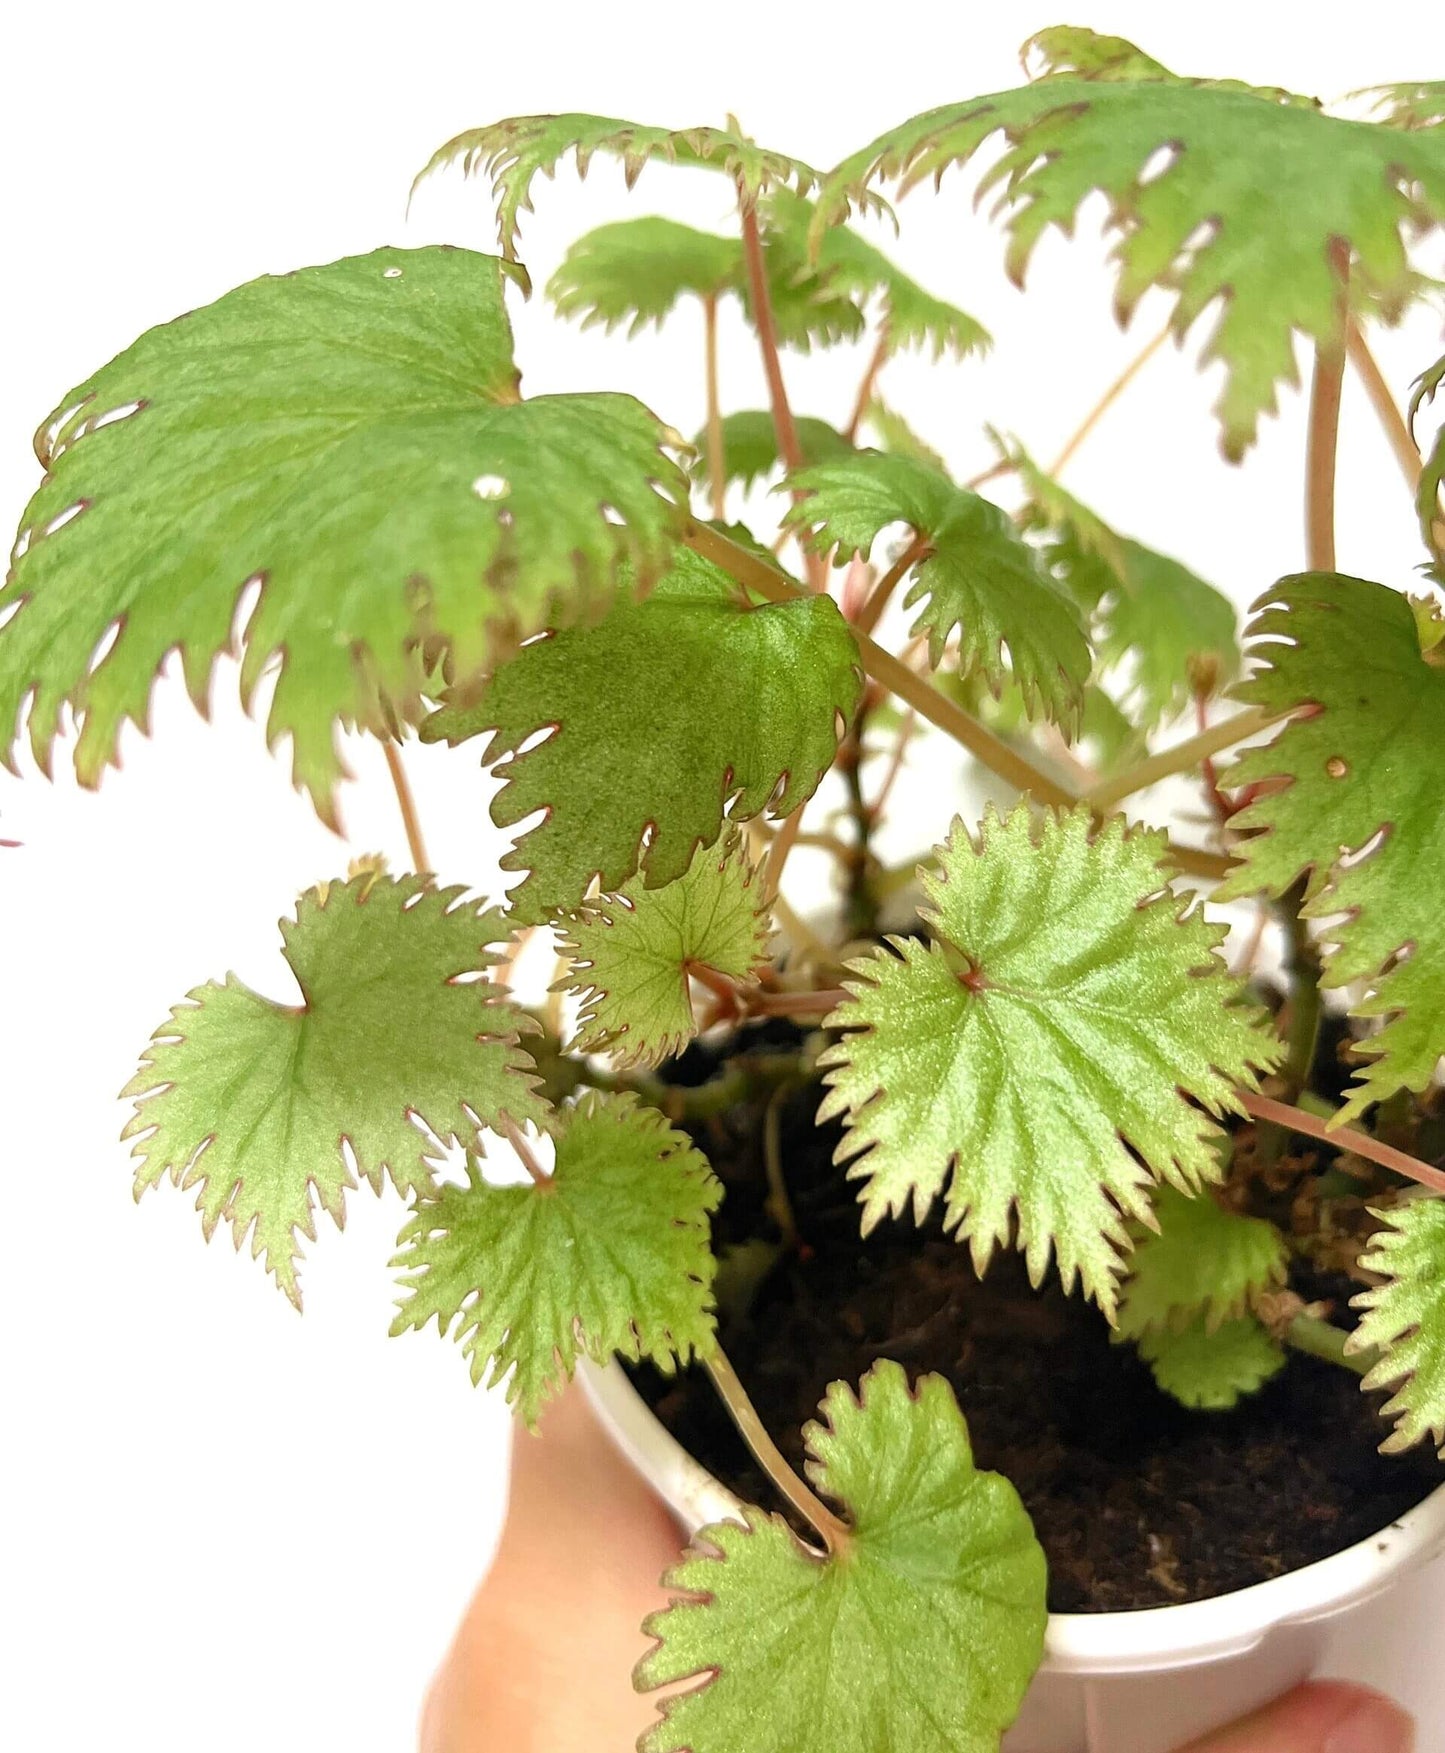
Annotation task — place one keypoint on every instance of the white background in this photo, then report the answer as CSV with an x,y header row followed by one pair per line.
x,y
224,1526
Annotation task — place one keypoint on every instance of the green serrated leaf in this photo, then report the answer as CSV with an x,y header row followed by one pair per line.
x,y
1432,471
1412,104
1211,1368
979,576
1239,221
898,438
922,1634
264,1106
630,953
638,270
1154,621
609,1254
750,444
1202,1261
1360,773
846,264
1043,1056
350,436
1404,1319
511,153
666,712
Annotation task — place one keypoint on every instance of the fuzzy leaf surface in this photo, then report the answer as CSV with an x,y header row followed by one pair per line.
x,y
750,444
665,711
1404,1318
609,1255
1363,764
1202,1261
1211,1368
923,1635
329,433
630,953
513,152
1032,1064
252,1101
1239,221
981,578
636,271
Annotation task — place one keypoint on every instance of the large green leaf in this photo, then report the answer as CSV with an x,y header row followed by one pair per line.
x,y
978,577
267,1107
607,1254
1055,1050
922,1633
511,153
1240,217
352,437
630,953
637,271
750,444
1359,807
1211,1368
846,263
1404,1319
1200,1262
668,714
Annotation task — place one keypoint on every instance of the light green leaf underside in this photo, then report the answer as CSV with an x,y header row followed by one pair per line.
x,y
609,1255
351,436
750,445
846,264
258,1104
981,578
630,953
1364,763
1211,1368
1032,1064
1153,621
511,153
667,711
1202,1262
1404,1319
1238,222
637,271
923,1636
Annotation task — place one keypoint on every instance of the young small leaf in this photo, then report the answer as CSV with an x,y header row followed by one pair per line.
x,y
638,270
255,1102
1239,220
1414,104
923,1634
1039,1055
666,712
1432,472
1404,1319
898,438
1202,1261
1211,1368
511,153
630,953
750,444
979,575
1360,780
607,1254
351,437
847,264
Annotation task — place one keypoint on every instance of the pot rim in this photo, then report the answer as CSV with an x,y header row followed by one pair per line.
x,y
1143,1640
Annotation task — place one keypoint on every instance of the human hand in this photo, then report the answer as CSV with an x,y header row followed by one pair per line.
x,y
543,1660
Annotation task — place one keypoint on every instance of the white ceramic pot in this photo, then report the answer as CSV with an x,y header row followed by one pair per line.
x,y
1149,1681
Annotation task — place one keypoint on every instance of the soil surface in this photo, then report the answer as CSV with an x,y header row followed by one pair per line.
x,y
1137,1501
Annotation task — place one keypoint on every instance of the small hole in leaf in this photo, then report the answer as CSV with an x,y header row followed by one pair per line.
x,y
105,645
391,273
1159,161
491,487
111,415
610,514
1349,860
70,513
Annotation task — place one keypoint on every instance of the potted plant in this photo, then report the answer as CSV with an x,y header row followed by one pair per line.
x,y
1006,1136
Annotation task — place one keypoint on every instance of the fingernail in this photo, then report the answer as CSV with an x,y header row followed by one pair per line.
x,y
1373,1726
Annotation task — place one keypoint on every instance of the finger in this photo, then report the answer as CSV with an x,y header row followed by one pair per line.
x,y
1326,1717
543,1660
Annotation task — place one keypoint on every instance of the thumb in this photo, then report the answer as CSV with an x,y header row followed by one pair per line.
x,y
1326,1717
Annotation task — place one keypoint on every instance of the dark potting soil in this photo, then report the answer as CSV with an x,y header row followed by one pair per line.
x,y
1137,1501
